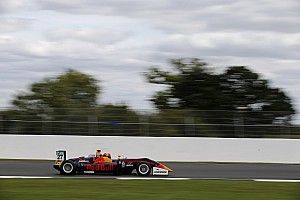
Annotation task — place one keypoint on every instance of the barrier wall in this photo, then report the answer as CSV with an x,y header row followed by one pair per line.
x,y
157,148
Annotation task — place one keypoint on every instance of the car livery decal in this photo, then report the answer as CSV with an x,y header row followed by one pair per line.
x,y
100,167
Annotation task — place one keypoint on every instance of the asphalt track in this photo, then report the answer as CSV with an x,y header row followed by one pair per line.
x,y
181,170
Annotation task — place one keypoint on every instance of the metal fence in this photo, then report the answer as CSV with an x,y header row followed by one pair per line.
x,y
124,122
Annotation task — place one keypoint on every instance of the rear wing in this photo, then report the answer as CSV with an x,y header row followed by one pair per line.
x,y
61,155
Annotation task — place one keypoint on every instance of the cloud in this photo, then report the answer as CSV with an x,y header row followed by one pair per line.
x,y
118,40
13,24
89,35
237,44
193,15
11,5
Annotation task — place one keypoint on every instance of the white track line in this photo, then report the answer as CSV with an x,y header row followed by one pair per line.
x,y
277,180
153,178
26,177
145,178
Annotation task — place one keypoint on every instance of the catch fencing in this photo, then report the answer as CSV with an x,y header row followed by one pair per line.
x,y
167,123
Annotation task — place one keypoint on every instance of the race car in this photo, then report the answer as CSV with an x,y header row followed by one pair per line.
x,y
105,165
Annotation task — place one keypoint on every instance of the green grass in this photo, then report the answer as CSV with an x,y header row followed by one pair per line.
x,y
93,189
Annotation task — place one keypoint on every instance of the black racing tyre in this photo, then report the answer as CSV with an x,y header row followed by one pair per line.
x,y
118,171
68,167
143,169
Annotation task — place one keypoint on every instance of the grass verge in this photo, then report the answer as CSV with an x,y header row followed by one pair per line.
x,y
23,189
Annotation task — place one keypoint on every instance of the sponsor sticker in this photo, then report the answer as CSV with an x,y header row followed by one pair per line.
x,y
60,155
129,164
88,172
100,167
160,172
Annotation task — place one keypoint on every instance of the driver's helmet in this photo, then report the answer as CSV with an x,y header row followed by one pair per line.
x,y
98,153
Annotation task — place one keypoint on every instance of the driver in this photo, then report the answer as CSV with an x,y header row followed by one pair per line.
x,y
103,158
98,153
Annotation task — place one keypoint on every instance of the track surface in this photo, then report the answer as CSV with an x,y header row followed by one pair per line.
x,y
181,170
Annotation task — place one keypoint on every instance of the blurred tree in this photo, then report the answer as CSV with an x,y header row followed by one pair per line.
x,y
59,96
116,113
245,90
118,120
194,86
67,104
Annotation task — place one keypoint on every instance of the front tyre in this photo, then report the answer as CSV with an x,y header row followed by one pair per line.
x,y
143,169
68,168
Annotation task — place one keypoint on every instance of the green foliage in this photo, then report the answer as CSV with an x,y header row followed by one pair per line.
x,y
192,85
117,120
72,89
69,97
244,88
195,102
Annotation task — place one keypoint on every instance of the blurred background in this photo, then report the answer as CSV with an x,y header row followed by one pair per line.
x,y
178,68
196,102
171,68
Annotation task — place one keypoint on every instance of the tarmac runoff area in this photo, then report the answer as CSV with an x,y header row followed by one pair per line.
x,y
182,171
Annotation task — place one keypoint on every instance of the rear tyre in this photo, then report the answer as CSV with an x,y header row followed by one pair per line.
x,y
68,168
143,169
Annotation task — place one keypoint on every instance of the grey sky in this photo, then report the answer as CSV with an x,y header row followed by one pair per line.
x,y
116,41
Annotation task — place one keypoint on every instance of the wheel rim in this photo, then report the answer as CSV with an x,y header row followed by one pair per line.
x,y
68,168
143,169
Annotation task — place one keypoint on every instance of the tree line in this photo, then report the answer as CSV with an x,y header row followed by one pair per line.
x,y
196,101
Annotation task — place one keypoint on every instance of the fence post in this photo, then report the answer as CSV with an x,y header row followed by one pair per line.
x,y
144,125
189,128
1,125
238,121
92,119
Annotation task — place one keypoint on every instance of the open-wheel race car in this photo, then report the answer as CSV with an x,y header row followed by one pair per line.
x,y
103,164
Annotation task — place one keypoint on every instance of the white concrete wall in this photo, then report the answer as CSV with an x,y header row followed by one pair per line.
x,y
157,148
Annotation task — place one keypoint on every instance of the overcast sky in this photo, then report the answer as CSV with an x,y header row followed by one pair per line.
x,y
117,40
